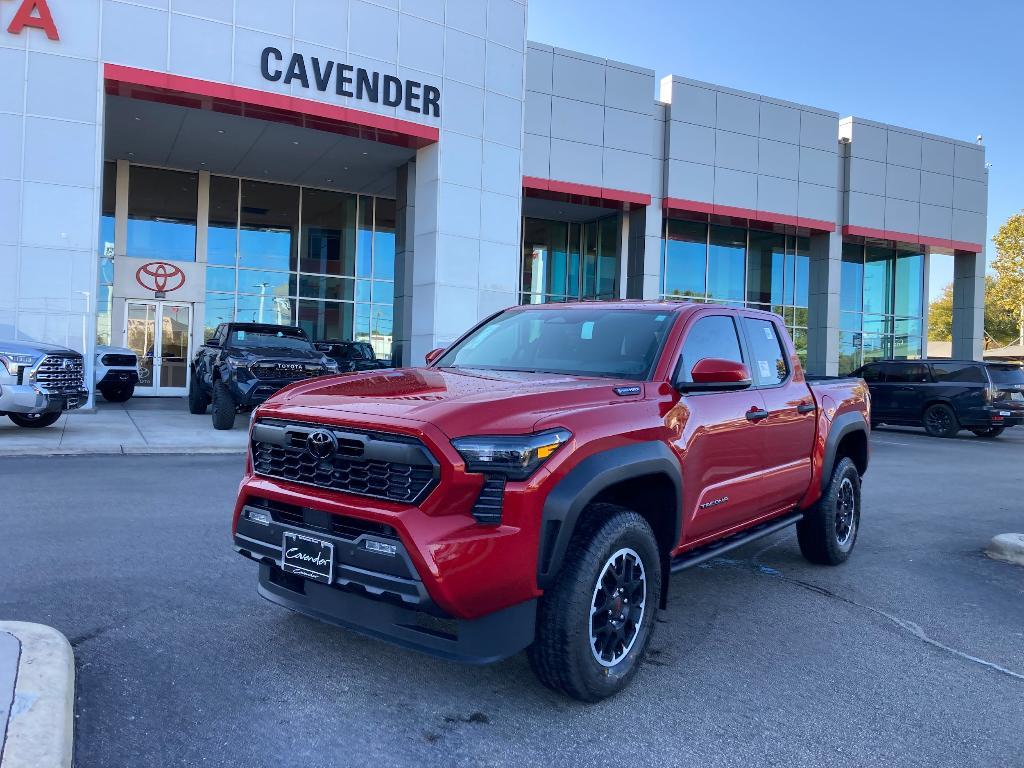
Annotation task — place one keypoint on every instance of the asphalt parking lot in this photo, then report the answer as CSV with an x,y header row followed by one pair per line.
x,y
911,654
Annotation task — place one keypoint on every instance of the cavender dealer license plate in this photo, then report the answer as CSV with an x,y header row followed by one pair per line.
x,y
308,557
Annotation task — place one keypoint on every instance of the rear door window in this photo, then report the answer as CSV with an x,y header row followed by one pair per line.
x,y
871,373
958,373
768,360
710,337
906,373
1006,375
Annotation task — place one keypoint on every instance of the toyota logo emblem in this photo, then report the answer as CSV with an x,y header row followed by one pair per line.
x,y
322,444
160,277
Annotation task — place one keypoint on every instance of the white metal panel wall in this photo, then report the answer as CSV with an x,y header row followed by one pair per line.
x,y
589,120
904,181
742,150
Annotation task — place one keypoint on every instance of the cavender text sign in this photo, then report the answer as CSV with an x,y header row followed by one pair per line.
x,y
351,82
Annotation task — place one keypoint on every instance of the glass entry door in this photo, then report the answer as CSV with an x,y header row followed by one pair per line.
x,y
160,333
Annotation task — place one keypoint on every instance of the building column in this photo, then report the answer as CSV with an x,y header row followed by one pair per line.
x,y
405,230
968,305
826,262
644,259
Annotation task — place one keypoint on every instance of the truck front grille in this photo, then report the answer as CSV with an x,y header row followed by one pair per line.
x,y
381,466
60,373
119,361
287,371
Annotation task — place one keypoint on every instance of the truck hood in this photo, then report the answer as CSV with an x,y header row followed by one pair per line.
x,y
459,402
32,348
283,354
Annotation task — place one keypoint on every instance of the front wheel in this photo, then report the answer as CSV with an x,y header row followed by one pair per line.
x,y
198,401
940,421
34,420
595,622
829,529
989,432
224,408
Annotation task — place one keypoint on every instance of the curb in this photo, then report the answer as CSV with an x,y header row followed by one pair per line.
x,y
1008,547
40,731
117,450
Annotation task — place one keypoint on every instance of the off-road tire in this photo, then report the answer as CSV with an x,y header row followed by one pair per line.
x,y
198,401
989,432
822,536
940,421
562,654
224,408
120,394
35,420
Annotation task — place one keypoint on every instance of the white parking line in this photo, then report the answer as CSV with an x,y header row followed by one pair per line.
x,y
890,442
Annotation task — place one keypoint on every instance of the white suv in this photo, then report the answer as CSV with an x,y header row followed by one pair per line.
x,y
117,373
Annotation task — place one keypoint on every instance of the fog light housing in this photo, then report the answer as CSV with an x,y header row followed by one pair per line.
x,y
255,516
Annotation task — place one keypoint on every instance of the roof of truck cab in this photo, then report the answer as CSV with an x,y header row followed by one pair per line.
x,y
663,306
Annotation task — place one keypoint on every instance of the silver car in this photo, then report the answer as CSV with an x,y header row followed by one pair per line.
x,y
38,382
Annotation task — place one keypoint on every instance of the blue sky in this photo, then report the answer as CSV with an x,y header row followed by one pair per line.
x,y
951,68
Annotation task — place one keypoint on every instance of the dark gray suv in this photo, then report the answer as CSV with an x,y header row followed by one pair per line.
x,y
945,396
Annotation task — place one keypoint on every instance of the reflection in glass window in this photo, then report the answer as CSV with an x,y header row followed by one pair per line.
x,y
686,244
545,247
851,281
384,239
710,337
768,365
909,283
766,265
222,235
878,280
220,308
364,240
269,223
220,279
726,258
265,283
802,274
326,320
328,233
106,255
268,308
329,288
162,209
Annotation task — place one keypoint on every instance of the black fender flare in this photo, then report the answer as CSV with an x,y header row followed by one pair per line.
x,y
582,485
844,424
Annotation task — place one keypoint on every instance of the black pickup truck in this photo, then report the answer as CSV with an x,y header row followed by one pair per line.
x,y
351,356
243,364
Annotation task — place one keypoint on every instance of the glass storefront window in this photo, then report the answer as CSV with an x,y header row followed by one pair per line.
x,y
220,279
162,209
384,239
909,283
364,242
326,320
104,303
726,261
328,233
327,288
851,281
269,224
766,265
545,248
685,267
268,308
878,280
802,271
222,235
220,308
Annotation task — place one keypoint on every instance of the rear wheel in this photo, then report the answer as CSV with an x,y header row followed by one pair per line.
x,y
989,432
198,401
34,420
940,421
121,394
828,531
595,622
224,408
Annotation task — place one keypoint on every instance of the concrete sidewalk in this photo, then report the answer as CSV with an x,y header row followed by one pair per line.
x,y
142,425
37,697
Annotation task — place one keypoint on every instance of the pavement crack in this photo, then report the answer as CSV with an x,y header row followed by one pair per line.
x,y
905,624
134,424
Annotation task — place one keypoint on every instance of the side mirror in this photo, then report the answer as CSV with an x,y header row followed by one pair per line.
x,y
716,375
433,354
213,343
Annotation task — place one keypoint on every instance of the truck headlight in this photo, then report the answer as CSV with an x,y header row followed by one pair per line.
x,y
12,362
515,456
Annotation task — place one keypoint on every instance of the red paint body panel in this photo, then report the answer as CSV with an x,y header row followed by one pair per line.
x,y
764,468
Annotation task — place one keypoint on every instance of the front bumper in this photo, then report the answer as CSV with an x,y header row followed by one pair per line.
x,y
119,378
26,399
1005,415
378,595
254,392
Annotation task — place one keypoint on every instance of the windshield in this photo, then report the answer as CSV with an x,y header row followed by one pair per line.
x,y
615,343
1006,374
269,340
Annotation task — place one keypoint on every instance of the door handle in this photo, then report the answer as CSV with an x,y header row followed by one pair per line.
x,y
757,414
806,408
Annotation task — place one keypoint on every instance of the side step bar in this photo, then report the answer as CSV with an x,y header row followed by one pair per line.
x,y
702,554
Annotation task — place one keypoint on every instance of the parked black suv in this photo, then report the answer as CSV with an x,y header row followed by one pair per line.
x,y
245,363
351,355
945,396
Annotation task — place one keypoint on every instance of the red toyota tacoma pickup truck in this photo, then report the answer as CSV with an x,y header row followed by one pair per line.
x,y
536,484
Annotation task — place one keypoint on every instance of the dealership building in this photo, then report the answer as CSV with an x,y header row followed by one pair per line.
x,y
395,170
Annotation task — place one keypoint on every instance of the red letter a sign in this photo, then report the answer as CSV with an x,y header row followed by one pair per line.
x,y
34,13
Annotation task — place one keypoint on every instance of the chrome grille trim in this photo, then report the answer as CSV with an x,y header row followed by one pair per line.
x,y
60,374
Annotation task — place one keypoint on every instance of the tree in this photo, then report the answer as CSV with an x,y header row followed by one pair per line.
x,y
1008,291
1000,325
